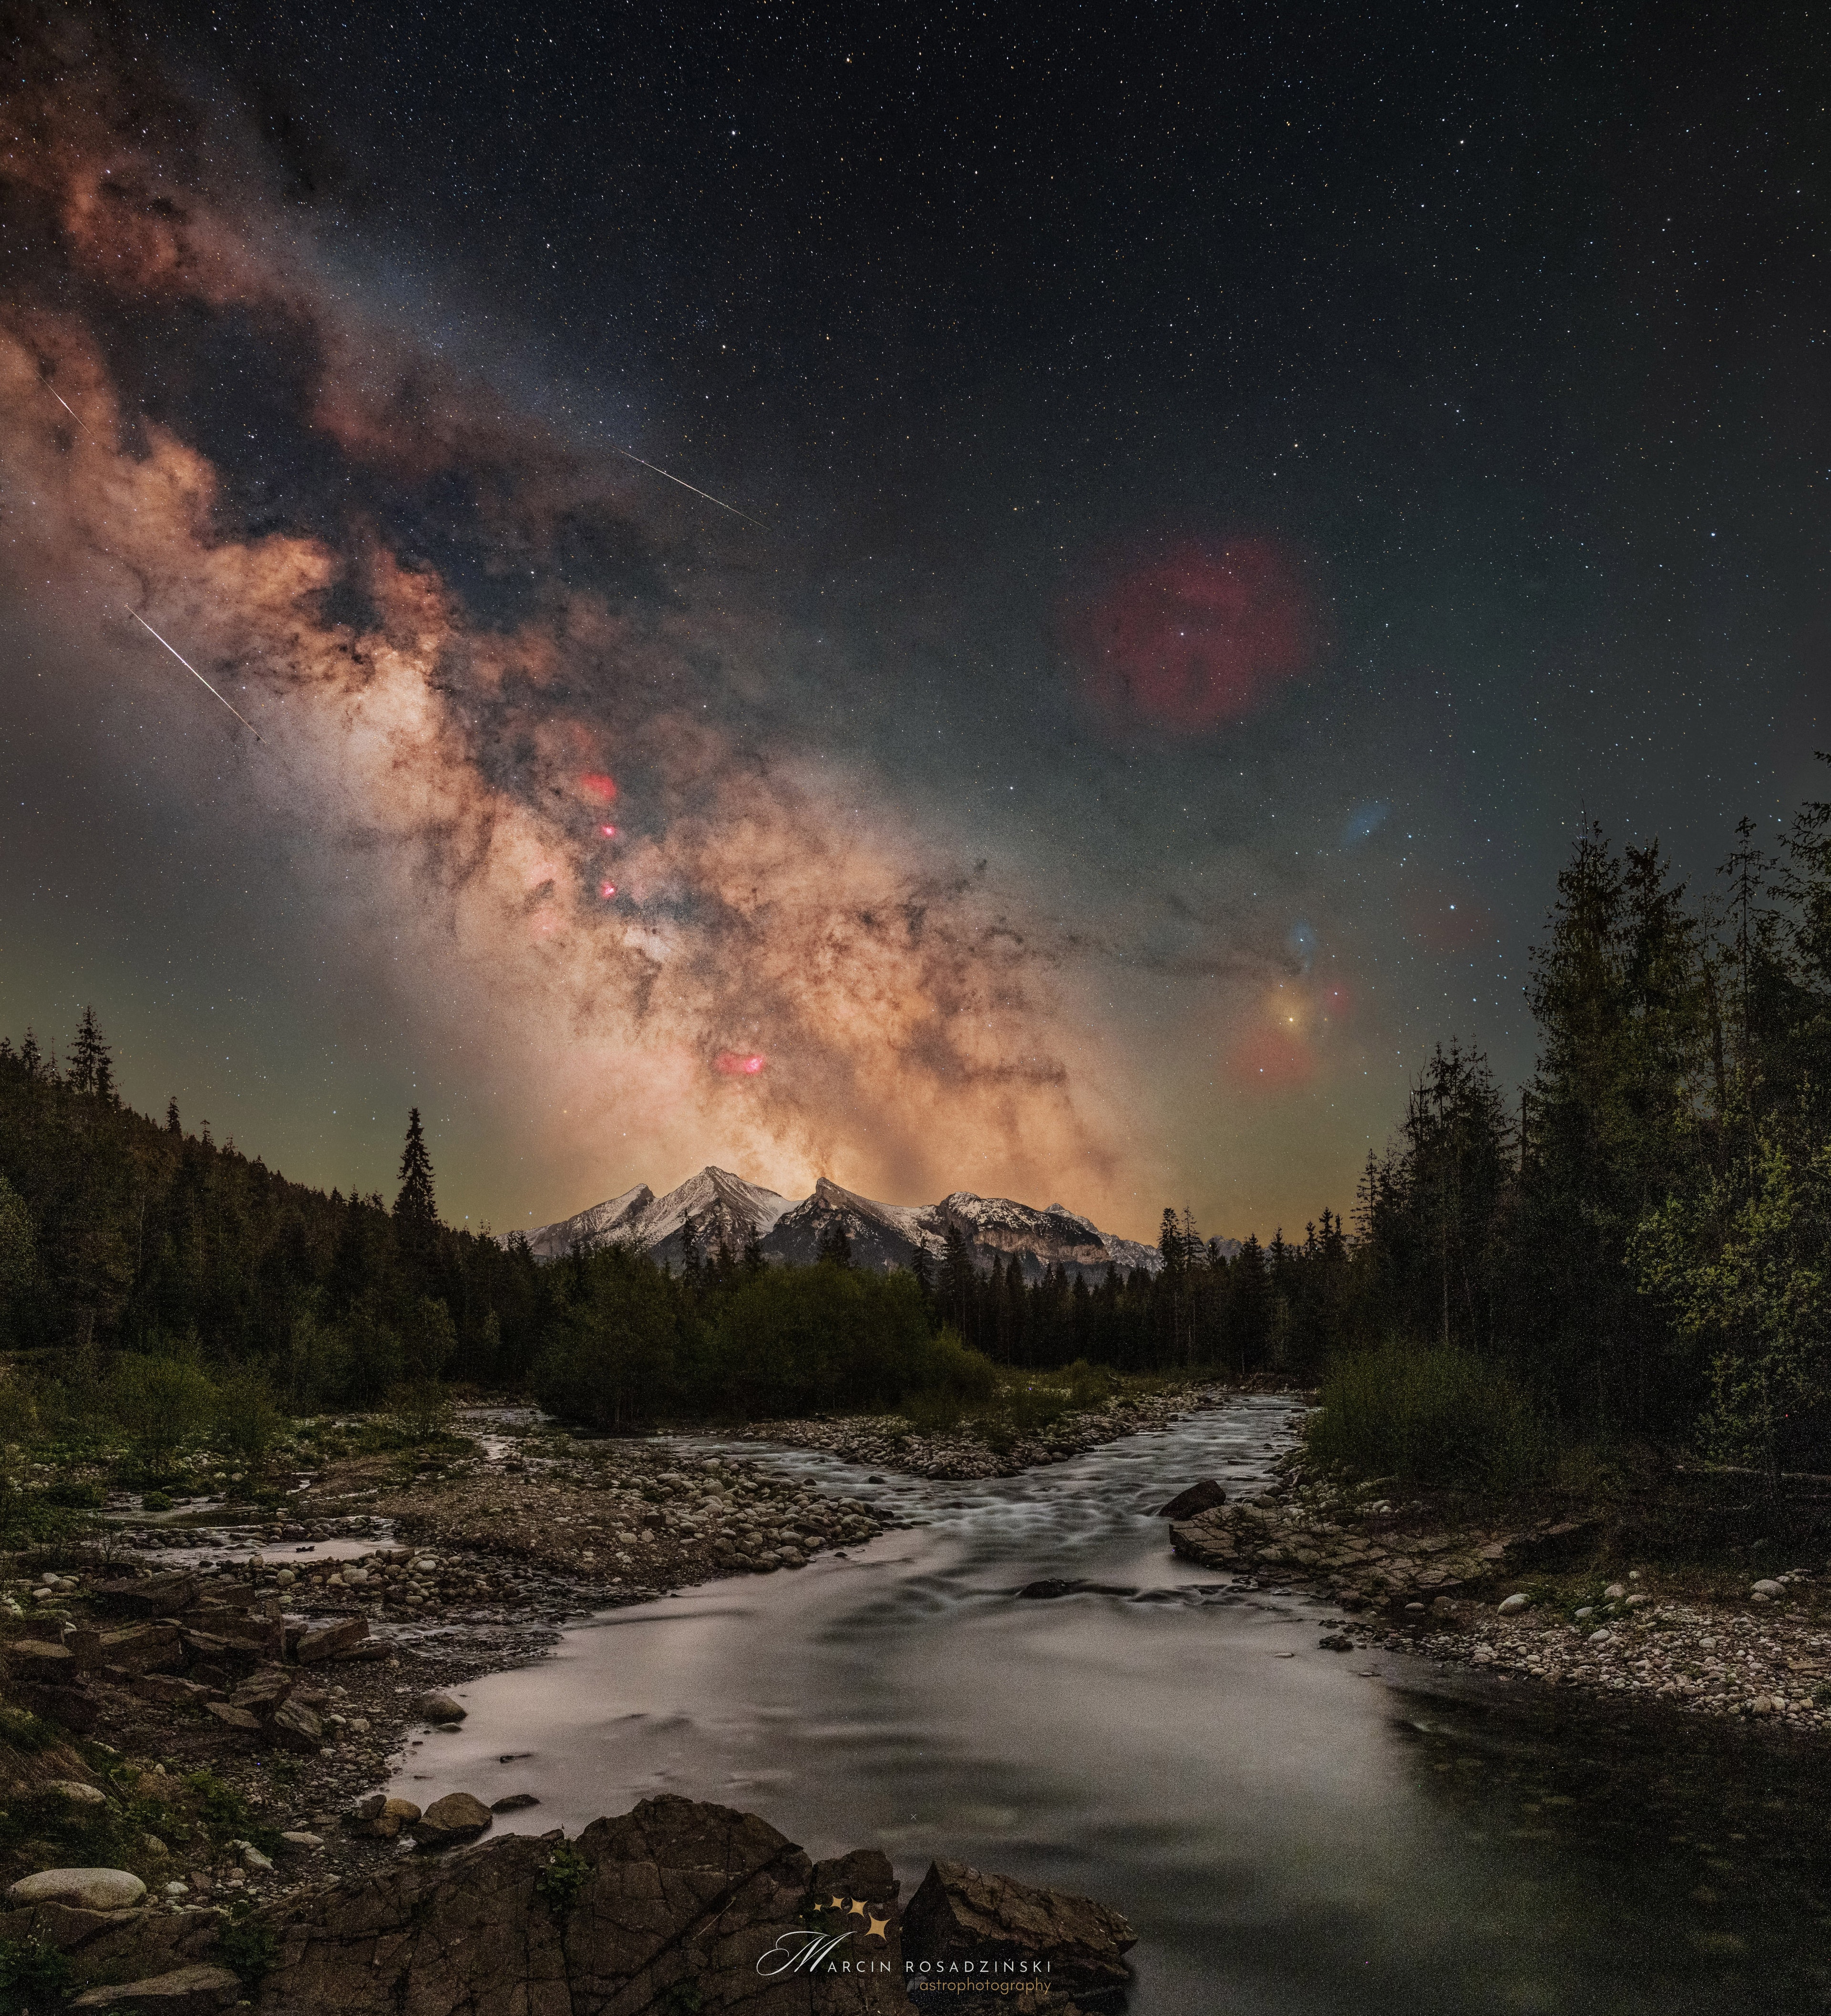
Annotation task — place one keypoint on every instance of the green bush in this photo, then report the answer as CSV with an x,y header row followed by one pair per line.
x,y
566,1874
75,1495
34,1978
1427,1415
247,1946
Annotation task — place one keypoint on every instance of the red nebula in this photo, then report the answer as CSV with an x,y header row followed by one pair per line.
x,y
1271,1061
733,1063
607,890
595,784
609,832
1195,636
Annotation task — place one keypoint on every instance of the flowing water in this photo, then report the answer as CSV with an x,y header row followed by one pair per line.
x,y
1289,1829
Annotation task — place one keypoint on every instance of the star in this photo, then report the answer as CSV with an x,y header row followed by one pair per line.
x,y
879,1928
859,1911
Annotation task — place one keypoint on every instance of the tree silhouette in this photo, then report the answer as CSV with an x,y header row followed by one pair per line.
x,y
414,1207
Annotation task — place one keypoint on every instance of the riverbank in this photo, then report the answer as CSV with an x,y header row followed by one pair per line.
x,y
1578,1599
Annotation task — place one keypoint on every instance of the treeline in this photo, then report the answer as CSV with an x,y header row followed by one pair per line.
x,y
157,1277
1640,1245
118,1233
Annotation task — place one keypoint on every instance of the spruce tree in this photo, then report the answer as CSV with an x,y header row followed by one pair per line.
x,y
171,1120
90,1067
414,1207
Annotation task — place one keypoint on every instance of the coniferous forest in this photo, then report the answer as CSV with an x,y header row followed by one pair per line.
x,y
1634,1246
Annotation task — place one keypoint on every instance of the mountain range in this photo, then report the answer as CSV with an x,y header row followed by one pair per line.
x,y
722,1208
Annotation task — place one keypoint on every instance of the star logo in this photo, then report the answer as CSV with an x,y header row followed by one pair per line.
x,y
854,1907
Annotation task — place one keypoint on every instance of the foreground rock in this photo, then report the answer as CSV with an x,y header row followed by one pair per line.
x,y
963,1926
675,1907
672,1907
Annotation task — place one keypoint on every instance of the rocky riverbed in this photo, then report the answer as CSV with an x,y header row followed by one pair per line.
x,y
1555,1600
998,1449
240,1685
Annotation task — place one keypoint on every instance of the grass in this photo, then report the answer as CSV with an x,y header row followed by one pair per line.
x,y
1427,1415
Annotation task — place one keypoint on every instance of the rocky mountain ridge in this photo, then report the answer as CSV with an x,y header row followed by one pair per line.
x,y
722,1208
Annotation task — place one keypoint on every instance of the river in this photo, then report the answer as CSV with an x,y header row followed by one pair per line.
x,y
1290,1831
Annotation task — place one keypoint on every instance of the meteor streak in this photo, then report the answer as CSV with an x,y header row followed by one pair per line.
x,y
693,487
195,674
67,407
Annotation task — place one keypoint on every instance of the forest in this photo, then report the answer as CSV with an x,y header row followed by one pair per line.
x,y
1633,1245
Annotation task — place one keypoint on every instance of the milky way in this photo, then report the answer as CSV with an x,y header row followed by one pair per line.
x,y
467,642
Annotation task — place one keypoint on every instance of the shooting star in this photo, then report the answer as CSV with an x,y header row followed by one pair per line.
x,y
693,487
197,676
67,407
65,403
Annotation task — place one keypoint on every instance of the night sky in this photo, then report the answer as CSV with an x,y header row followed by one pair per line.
x,y
1225,492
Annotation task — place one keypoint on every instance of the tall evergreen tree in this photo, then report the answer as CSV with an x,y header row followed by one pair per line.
x,y
414,1207
91,1068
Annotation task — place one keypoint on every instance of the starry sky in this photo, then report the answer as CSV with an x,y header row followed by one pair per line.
x,y
1208,500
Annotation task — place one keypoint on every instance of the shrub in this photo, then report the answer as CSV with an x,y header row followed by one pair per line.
x,y
247,1946
1427,1414
565,1875
34,1978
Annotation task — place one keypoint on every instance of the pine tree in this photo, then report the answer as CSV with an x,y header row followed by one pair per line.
x,y
836,1243
90,1067
414,1207
172,1121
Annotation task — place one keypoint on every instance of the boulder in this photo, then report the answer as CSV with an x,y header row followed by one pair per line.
x,y
76,1791
70,1705
148,1595
294,1726
675,1905
1202,1497
90,1889
440,1708
36,1659
380,1817
457,1817
1510,1606
515,1802
1047,1590
330,1638
232,1717
1077,1946
197,1990
142,1648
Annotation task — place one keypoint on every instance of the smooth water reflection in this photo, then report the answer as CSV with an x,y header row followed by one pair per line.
x,y
1289,1829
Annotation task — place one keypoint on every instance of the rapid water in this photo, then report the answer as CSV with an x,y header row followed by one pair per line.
x,y
1289,1829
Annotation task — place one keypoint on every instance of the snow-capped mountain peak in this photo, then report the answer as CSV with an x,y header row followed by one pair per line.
x,y
724,1209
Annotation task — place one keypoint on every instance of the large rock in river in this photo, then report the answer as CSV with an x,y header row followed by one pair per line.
x,y
962,1925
